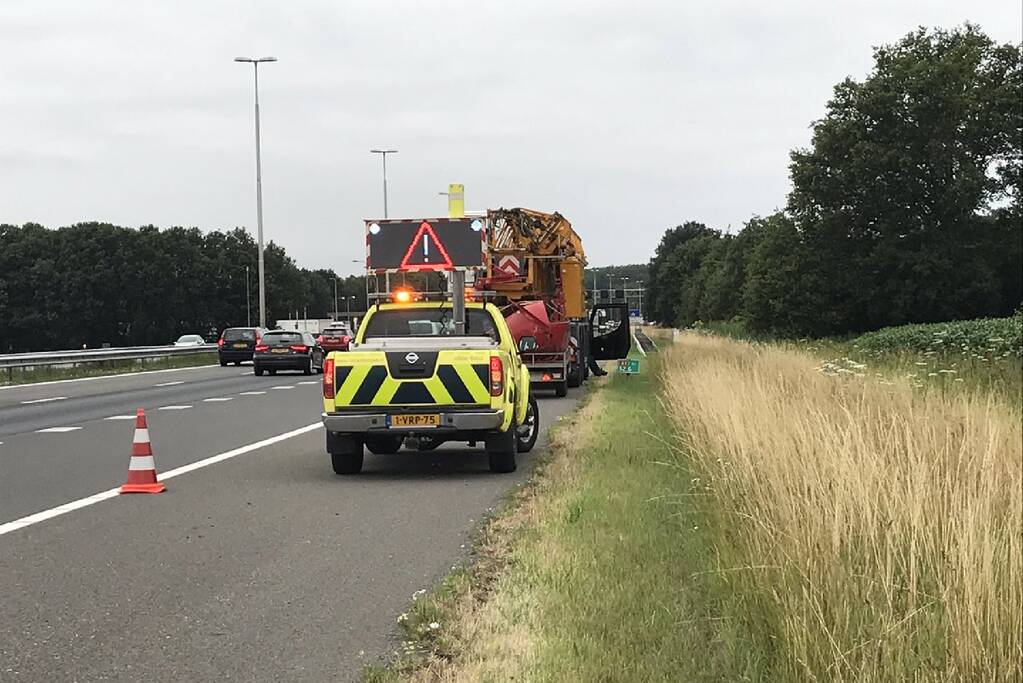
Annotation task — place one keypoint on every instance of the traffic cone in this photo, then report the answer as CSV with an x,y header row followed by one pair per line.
x,y
142,467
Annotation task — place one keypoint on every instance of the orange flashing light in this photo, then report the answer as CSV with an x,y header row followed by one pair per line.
x,y
402,296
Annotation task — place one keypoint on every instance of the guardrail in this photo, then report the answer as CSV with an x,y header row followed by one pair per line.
x,y
11,361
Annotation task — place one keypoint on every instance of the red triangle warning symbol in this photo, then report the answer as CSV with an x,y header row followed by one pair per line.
x,y
426,251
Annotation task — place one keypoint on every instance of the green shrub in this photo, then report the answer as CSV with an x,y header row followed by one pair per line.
x,y
994,336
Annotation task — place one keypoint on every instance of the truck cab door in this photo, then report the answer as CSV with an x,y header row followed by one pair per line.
x,y
610,334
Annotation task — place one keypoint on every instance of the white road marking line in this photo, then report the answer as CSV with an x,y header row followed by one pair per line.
x,y
218,400
29,520
251,393
91,379
44,400
174,407
120,417
312,382
57,430
168,384
283,387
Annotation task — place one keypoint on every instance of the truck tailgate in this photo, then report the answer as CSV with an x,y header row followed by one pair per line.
x,y
411,378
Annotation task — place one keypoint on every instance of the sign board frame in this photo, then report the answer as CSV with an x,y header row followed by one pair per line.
x,y
424,234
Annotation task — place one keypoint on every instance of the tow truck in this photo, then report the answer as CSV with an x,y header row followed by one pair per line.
x,y
415,377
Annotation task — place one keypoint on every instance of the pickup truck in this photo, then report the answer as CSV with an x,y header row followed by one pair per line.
x,y
409,379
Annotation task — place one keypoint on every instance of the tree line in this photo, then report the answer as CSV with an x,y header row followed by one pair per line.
x,y
905,208
95,283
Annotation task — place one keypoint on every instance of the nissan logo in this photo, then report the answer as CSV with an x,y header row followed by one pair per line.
x,y
411,357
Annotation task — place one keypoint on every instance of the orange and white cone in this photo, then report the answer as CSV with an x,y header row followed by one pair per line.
x,y
142,467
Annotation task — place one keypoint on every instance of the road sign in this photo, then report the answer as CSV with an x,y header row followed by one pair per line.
x,y
628,366
424,244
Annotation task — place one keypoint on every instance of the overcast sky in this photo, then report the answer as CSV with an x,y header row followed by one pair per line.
x,y
627,117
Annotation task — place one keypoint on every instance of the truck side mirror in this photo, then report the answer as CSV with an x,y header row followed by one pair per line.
x,y
527,344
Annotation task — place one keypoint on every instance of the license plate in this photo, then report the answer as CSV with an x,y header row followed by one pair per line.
x,y
240,346
279,350
415,420
331,340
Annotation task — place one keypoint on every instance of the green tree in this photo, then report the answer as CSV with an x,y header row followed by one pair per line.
x,y
781,292
898,195
667,271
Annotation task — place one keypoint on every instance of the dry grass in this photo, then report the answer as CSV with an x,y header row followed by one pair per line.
x,y
491,624
876,530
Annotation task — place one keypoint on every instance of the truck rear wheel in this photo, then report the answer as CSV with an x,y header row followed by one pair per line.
x,y
345,453
575,375
501,448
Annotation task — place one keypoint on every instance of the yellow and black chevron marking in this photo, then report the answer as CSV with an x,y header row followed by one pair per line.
x,y
370,385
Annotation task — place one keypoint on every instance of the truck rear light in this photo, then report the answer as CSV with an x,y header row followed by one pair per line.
x,y
496,376
328,378
546,377
261,347
299,348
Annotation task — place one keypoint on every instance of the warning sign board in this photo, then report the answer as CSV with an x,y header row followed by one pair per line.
x,y
509,264
424,244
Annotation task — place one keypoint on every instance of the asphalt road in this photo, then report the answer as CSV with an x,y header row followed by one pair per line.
x,y
261,567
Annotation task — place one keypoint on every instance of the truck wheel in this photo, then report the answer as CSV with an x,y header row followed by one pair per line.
x,y
223,363
501,450
561,389
525,435
258,371
575,375
345,453
386,445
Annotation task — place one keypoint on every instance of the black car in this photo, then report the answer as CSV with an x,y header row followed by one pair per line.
x,y
238,343
287,350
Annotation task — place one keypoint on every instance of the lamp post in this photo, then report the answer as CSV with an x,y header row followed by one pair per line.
x,y
383,155
335,298
259,188
248,306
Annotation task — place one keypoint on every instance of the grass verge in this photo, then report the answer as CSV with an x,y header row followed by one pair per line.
x,y
601,569
876,530
100,368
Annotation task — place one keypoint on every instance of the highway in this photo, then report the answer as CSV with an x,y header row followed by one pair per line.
x,y
259,564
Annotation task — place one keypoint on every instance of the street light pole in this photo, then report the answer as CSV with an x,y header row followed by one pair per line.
x,y
259,188
335,298
248,306
383,155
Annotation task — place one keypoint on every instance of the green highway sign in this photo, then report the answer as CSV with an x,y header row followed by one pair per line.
x,y
629,366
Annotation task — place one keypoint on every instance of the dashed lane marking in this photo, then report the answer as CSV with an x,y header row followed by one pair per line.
x,y
29,520
174,407
168,384
57,430
288,386
310,382
219,399
251,393
44,400
120,417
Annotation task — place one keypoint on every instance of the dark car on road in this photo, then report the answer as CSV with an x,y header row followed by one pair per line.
x,y
287,350
335,338
238,343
